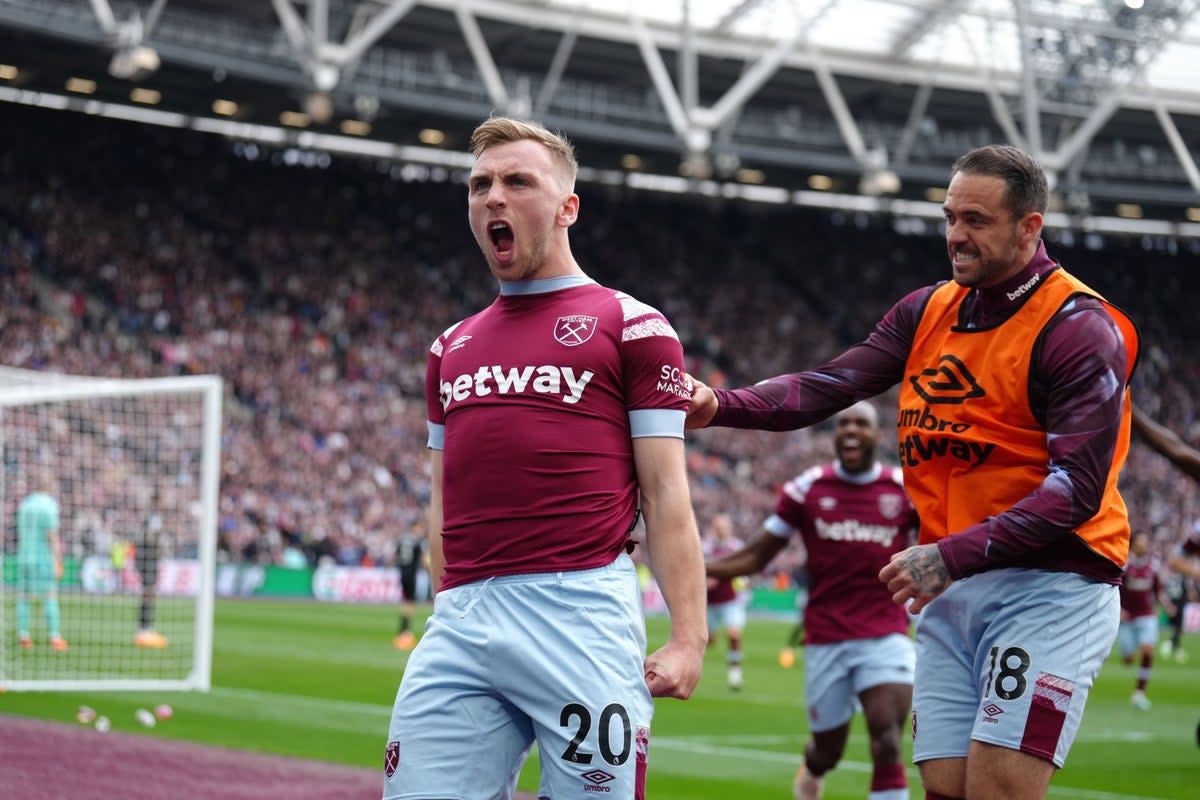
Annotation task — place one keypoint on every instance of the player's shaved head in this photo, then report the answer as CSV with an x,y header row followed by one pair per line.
x,y
862,409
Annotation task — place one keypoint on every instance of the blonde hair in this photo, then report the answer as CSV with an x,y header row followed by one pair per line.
x,y
502,130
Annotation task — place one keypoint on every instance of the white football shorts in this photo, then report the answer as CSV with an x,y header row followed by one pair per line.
x,y
1137,632
556,658
836,674
1008,657
724,616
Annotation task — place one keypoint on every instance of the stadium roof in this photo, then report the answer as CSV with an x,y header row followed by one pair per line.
x,y
873,96
979,36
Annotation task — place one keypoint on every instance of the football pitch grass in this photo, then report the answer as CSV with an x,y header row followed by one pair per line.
x,y
317,681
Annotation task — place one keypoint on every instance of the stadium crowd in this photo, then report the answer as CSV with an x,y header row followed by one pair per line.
x,y
314,291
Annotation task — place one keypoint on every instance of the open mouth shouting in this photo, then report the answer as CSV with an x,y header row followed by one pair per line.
x,y
501,234
851,450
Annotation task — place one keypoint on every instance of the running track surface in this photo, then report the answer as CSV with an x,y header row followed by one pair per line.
x,y
42,760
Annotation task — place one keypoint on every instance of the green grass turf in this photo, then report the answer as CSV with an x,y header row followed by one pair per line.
x,y
99,629
317,681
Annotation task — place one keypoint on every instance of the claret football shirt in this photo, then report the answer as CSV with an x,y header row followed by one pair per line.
x,y
851,524
535,402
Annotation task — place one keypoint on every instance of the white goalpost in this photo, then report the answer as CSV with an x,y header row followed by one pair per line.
x,y
133,467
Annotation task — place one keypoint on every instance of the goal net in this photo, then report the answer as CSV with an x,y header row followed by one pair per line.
x,y
120,477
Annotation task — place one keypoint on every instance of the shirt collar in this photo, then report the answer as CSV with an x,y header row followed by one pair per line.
x,y
862,478
994,303
543,285
1019,285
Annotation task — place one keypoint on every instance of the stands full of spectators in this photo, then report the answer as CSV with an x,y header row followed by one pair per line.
x,y
314,291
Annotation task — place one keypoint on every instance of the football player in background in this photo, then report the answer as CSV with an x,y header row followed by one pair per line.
x,y
1138,632
1180,590
726,603
852,516
1186,557
147,551
39,564
410,547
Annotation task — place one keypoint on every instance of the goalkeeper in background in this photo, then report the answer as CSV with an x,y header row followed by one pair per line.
x,y
39,566
147,546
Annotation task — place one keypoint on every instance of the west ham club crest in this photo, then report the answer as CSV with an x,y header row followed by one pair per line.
x,y
391,758
574,330
890,505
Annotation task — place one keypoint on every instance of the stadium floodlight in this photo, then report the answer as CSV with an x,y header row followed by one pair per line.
x,y
122,458
325,76
134,63
879,182
319,107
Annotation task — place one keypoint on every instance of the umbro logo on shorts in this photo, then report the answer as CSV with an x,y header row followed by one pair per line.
x,y
596,779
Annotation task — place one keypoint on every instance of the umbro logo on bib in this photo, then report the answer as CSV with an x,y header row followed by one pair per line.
x,y
949,382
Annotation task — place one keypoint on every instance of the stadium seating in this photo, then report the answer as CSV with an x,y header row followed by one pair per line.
x,y
315,292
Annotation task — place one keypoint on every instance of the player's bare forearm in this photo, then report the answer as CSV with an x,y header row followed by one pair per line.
x,y
918,574
734,565
1167,443
437,560
750,559
675,557
1185,565
673,547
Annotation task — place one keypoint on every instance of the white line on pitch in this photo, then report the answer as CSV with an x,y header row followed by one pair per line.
x,y
697,747
315,703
